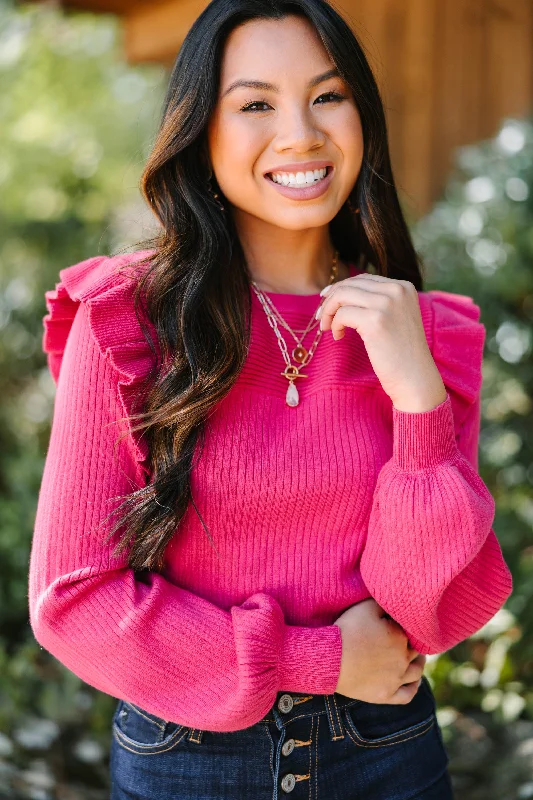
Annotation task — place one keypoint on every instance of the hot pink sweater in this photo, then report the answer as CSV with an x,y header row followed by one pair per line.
x,y
311,509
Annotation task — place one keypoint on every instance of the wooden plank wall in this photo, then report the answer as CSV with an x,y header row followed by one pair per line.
x,y
449,71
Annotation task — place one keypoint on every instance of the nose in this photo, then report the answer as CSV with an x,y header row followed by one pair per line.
x,y
297,131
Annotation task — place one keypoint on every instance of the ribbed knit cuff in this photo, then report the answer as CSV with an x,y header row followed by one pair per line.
x,y
310,659
423,439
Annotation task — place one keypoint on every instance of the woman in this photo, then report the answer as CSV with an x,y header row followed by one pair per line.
x,y
269,636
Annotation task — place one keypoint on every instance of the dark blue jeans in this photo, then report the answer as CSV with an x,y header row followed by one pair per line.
x,y
317,747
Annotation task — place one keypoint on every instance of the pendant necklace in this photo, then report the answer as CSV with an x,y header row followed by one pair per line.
x,y
299,353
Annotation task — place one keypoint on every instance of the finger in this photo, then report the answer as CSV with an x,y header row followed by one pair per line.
x,y
376,283
365,281
338,293
349,294
371,276
379,283
419,660
413,673
345,317
366,277
405,693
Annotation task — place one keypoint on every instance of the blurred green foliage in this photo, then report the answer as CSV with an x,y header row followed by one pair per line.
x,y
77,125
478,241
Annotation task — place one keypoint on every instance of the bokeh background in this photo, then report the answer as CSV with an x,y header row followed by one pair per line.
x,y
80,97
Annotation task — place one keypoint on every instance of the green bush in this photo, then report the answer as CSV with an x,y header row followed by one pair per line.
x,y
477,240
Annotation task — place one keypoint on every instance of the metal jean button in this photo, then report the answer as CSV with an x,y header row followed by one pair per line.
x,y
288,782
285,703
288,747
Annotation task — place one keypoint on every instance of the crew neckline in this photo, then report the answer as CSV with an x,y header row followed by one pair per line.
x,y
300,301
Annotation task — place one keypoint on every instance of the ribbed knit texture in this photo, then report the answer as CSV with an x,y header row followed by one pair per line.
x,y
311,509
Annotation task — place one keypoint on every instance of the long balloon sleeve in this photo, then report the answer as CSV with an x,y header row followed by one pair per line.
x,y
431,558
147,641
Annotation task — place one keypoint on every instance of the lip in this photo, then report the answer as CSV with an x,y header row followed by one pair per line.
x,y
302,166
305,192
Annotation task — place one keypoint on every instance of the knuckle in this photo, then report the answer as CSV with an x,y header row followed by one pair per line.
x,y
397,292
377,317
387,303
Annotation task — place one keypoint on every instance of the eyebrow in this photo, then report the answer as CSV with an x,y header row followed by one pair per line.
x,y
253,84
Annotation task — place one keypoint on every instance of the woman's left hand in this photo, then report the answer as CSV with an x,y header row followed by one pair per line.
x,y
385,312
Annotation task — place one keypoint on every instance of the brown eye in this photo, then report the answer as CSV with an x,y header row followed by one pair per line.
x,y
249,106
335,96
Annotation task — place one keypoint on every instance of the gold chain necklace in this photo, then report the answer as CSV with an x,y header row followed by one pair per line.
x,y
299,353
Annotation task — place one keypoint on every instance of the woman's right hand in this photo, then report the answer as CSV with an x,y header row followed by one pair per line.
x,y
378,665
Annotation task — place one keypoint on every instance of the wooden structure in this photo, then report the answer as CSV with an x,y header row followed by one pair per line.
x,y
449,70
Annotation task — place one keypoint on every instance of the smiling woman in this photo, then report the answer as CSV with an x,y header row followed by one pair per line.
x,y
300,116
302,517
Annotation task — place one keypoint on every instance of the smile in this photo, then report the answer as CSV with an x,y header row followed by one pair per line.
x,y
299,179
301,185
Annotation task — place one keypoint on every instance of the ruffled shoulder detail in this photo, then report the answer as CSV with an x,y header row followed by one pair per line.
x,y
106,285
456,339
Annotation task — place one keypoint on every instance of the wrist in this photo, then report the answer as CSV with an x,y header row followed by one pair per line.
x,y
421,400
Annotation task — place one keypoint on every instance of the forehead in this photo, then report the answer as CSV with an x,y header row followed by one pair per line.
x,y
276,50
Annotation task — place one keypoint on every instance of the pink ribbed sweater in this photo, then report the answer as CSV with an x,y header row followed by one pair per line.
x,y
311,509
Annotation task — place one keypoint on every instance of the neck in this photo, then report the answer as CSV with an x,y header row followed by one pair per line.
x,y
289,261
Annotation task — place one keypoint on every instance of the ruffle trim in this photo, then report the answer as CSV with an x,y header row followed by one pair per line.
x,y
456,339
454,333
108,295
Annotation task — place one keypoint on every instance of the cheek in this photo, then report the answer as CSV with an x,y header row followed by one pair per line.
x,y
232,139
237,147
348,137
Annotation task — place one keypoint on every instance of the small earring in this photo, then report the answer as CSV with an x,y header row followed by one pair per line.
x,y
351,207
214,194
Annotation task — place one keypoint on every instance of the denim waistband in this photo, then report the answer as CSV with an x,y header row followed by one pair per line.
x,y
289,706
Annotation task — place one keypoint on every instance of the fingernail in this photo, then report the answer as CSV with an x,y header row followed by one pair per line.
x,y
321,324
325,289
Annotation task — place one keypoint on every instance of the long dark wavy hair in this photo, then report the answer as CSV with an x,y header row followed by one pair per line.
x,y
197,291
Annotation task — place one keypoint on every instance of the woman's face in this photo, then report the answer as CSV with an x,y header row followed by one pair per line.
x,y
255,130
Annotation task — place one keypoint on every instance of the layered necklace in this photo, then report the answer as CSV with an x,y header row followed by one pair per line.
x,y
299,353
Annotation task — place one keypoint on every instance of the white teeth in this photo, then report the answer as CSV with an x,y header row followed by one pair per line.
x,y
299,178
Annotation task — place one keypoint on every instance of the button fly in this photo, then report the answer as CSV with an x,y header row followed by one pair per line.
x,y
285,703
288,782
288,747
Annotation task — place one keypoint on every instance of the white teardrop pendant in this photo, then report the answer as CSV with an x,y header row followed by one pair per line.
x,y
292,397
